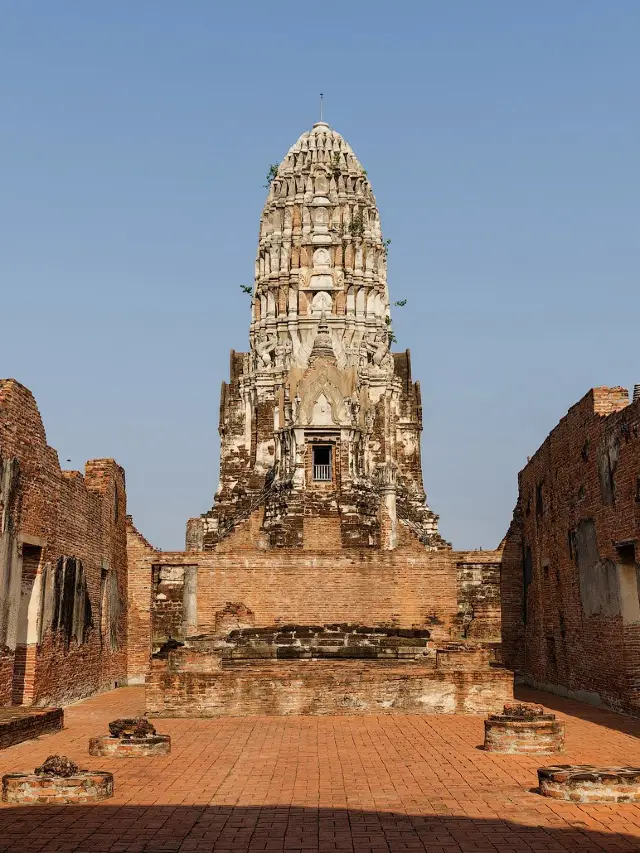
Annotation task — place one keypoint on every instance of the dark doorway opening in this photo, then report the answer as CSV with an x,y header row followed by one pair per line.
x,y
322,463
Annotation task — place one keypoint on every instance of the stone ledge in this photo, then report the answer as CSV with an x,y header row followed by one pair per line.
x,y
316,687
19,723
585,783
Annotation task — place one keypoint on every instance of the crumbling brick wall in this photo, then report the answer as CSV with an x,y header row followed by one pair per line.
x,y
63,565
478,579
140,558
570,608
410,587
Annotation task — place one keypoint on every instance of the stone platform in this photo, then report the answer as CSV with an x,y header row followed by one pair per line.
x,y
585,783
31,789
18,723
112,747
523,729
196,684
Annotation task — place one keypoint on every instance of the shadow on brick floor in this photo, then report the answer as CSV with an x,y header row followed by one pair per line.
x,y
589,713
290,829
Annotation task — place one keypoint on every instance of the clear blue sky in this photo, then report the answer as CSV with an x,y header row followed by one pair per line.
x,y
501,139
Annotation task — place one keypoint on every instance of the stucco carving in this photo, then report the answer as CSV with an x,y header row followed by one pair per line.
x,y
320,361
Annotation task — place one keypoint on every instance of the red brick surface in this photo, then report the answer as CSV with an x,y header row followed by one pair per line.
x,y
408,588
66,515
322,687
140,561
572,630
32,789
325,785
19,723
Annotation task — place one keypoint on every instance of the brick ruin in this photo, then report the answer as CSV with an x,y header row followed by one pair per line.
x,y
584,783
58,781
570,609
63,566
320,545
525,729
130,737
320,422
319,568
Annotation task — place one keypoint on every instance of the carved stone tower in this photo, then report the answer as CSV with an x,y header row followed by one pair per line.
x,y
320,423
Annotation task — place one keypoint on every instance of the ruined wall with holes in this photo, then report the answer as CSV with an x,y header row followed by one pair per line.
x,y
63,565
478,583
570,609
240,584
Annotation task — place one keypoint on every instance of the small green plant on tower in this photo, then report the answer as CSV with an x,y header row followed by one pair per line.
x,y
356,226
271,174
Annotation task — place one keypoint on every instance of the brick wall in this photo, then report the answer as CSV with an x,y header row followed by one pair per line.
x,y
63,564
6,675
571,615
410,587
478,580
140,557
18,725
319,687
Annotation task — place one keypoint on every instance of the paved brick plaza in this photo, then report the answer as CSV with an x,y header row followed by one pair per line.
x,y
361,784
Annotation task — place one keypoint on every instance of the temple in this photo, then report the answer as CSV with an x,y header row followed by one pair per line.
x,y
318,582
320,423
319,568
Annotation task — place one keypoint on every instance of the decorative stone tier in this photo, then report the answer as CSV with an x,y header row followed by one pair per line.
x,y
525,729
583,783
299,642
115,747
32,789
19,723
463,657
199,684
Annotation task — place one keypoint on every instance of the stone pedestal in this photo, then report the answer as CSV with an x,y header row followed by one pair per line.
x,y
115,747
130,737
584,783
32,789
523,729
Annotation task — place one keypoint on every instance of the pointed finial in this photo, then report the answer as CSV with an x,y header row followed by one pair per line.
x,y
321,106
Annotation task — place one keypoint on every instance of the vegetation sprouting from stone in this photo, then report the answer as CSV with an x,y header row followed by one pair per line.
x,y
356,226
273,171
335,165
392,337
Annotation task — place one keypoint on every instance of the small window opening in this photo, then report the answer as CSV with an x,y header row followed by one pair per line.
x,y
322,463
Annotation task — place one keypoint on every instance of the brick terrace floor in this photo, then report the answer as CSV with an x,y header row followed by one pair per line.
x,y
380,784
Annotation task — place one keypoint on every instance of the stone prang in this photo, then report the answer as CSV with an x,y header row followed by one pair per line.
x,y
320,419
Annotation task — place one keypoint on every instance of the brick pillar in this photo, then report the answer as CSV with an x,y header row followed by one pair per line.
x,y
388,517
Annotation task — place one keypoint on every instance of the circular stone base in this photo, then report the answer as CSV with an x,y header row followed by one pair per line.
x,y
584,783
115,747
29,789
539,735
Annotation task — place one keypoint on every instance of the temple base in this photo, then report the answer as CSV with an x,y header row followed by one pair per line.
x,y
317,687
